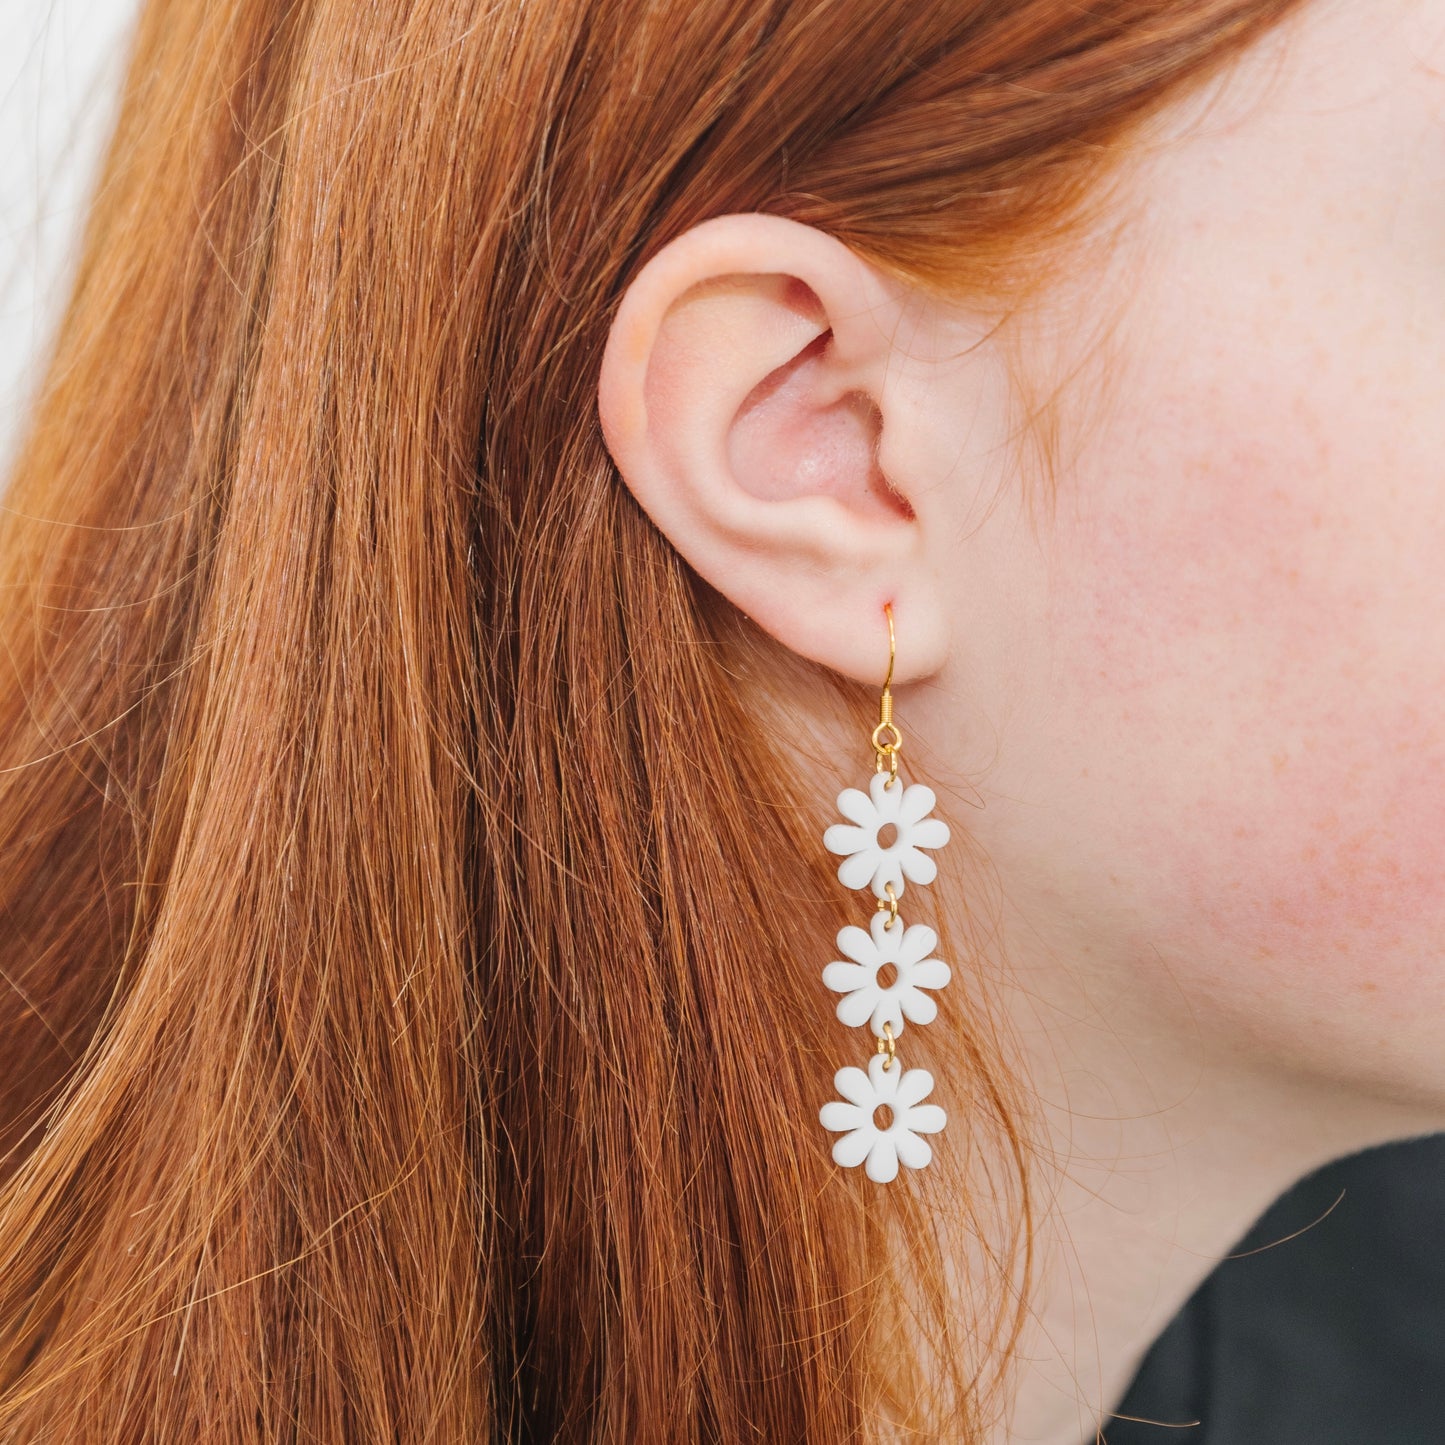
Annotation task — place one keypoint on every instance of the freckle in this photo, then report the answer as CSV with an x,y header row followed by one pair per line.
x,y
1310,852
1280,761
1369,986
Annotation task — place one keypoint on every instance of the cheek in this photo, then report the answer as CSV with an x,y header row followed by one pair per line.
x,y
1245,648
1333,858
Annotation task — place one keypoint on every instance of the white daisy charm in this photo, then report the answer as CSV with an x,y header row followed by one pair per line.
x,y
904,811
909,950
899,1141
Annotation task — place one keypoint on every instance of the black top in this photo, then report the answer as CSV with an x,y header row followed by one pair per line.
x,y
1336,1337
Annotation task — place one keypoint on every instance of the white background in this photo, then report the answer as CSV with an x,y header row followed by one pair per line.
x,y
61,65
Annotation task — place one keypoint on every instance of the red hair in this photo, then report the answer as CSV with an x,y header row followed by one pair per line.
x,y
397,891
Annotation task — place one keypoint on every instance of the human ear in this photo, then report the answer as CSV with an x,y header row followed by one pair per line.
x,y
742,396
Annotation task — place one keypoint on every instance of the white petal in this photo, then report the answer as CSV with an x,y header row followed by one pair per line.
x,y
916,1153
917,1084
845,977
918,941
857,1087
845,838
931,973
854,943
838,1117
855,872
857,807
919,867
886,871
925,1119
854,1009
929,833
886,800
916,1006
917,802
886,1011
853,1148
884,1081
884,941
882,1160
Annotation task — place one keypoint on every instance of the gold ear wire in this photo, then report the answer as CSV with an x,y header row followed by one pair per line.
x,y
887,752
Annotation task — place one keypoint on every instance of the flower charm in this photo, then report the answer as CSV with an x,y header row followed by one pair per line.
x,y
868,860
901,1091
908,950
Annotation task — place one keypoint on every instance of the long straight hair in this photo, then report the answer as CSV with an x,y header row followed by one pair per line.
x,y
397,894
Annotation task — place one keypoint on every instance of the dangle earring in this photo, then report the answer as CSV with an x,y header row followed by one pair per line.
x,y
886,970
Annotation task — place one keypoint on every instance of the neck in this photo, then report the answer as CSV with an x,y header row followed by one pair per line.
x,y
1157,1148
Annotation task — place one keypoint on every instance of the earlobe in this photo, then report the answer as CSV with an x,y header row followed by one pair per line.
x,y
742,396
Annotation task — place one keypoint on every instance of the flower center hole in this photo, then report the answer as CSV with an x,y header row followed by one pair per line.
x,y
887,835
883,1117
887,975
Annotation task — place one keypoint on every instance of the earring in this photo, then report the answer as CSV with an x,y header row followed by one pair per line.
x,y
886,971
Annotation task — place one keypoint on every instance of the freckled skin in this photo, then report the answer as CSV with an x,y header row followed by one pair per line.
x,y
1228,728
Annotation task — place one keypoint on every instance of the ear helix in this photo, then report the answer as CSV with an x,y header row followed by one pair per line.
x,y
882,844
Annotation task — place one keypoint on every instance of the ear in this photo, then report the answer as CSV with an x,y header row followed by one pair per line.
x,y
758,400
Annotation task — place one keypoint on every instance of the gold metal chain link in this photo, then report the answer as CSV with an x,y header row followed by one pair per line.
x,y
888,1047
888,905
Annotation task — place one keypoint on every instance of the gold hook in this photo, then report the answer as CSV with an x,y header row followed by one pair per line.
x,y
887,752
888,613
